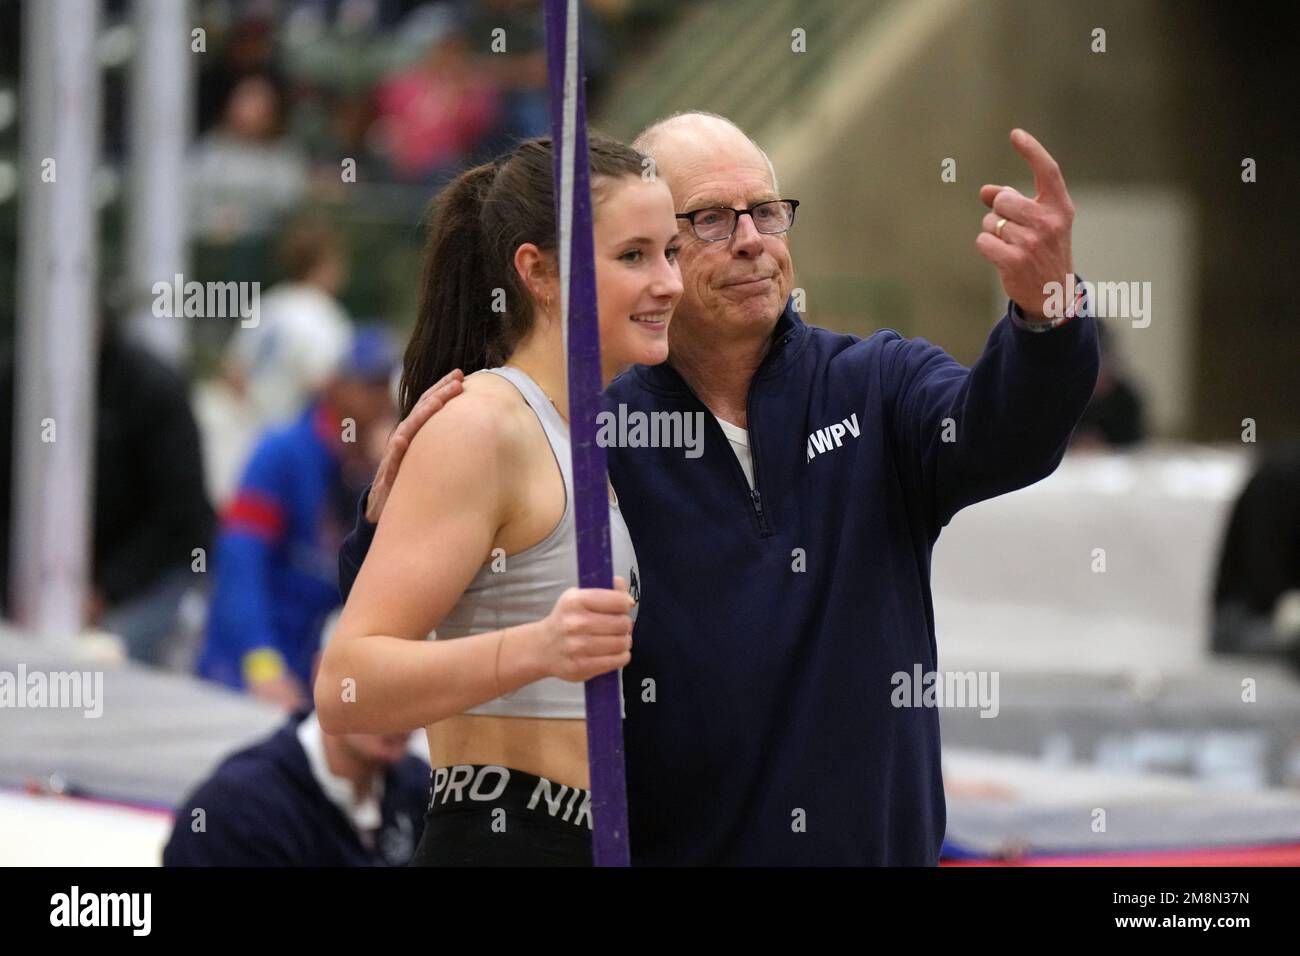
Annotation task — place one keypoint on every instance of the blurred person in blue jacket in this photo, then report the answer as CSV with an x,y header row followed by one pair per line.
x,y
276,577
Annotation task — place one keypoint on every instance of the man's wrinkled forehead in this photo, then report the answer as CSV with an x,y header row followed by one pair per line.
x,y
708,166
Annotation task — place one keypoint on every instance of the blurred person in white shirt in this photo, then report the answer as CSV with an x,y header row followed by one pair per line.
x,y
302,331
270,370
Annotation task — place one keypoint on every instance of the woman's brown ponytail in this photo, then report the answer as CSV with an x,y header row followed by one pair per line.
x,y
474,308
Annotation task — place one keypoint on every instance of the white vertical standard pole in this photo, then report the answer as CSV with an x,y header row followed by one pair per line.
x,y
54,363
160,108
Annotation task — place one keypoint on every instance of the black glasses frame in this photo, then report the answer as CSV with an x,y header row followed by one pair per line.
x,y
690,217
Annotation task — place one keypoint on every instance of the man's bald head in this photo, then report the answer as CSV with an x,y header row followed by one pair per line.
x,y
692,135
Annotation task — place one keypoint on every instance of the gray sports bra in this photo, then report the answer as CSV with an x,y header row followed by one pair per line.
x,y
520,588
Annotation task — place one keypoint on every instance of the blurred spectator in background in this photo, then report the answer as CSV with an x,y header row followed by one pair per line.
x,y
1257,591
150,508
302,331
246,48
246,173
277,553
436,116
306,798
519,69
1113,418
271,370
348,120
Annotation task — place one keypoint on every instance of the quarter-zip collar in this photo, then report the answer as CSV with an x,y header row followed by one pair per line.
x,y
788,339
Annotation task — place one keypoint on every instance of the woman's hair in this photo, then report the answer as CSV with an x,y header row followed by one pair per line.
x,y
479,220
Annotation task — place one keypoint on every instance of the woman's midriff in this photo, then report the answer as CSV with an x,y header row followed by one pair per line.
x,y
550,748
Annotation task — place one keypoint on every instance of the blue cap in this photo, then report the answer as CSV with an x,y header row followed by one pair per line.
x,y
372,355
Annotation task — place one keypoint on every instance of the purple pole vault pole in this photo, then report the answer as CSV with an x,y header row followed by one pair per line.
x,y
582,337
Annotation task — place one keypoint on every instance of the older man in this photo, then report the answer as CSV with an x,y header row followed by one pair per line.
x,y
786,571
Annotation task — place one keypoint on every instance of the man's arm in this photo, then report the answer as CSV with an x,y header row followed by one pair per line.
x,y
966,435
240,614
355,546
240,618
373,499
969,434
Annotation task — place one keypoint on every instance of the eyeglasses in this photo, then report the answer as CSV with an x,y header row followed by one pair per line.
x,y
716,223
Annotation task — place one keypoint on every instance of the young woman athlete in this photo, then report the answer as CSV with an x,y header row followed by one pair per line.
x,y
466,617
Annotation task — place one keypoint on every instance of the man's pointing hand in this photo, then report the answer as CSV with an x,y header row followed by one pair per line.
x,y
1028,240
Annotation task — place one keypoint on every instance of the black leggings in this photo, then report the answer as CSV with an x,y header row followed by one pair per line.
x,y
491,816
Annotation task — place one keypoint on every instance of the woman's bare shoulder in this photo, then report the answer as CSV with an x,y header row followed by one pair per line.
x,y
487,422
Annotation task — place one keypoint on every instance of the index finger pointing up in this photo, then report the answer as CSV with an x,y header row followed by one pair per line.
x,y
1048,181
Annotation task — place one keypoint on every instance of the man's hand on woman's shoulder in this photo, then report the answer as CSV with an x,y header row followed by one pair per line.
x,y
429,404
